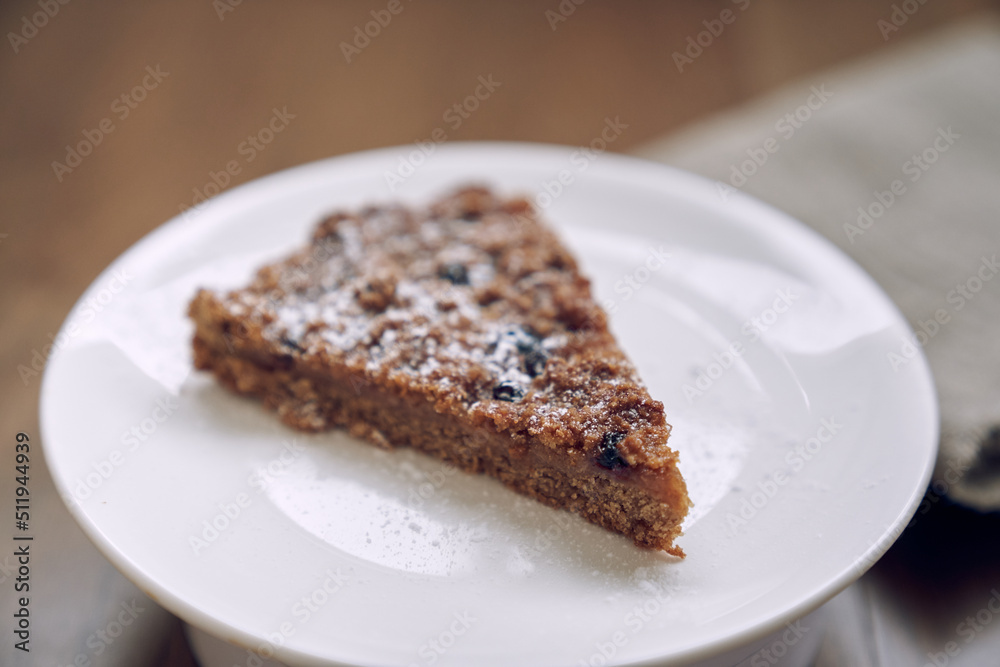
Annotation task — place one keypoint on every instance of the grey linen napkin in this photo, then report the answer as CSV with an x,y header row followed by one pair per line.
x,y
896,160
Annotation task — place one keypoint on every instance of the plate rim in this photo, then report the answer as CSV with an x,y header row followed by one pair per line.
x,y
765,216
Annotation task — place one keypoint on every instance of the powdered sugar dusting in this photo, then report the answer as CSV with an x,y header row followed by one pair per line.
x,y
474,304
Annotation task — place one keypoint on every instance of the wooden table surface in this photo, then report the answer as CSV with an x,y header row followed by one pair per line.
x,y
115,116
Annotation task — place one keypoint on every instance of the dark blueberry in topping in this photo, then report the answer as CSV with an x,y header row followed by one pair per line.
x,y
456,274
472,216
534,362
522,338
508,391
288,342
608,455
526,344
529,347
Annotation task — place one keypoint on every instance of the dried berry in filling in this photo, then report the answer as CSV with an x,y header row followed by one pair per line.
x,y
608,455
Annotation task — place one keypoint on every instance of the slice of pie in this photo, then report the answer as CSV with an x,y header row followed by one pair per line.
x,y
464,330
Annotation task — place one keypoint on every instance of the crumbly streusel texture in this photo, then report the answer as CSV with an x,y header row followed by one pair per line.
x,y
464,330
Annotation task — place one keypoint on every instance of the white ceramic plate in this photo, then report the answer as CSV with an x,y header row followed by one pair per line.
x,y
805,451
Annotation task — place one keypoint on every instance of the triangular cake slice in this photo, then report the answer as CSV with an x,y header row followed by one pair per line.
x,y
464,330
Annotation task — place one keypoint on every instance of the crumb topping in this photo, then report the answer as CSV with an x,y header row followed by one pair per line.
x,y
471,302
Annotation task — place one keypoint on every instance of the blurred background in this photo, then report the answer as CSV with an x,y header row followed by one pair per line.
x,y
167,94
